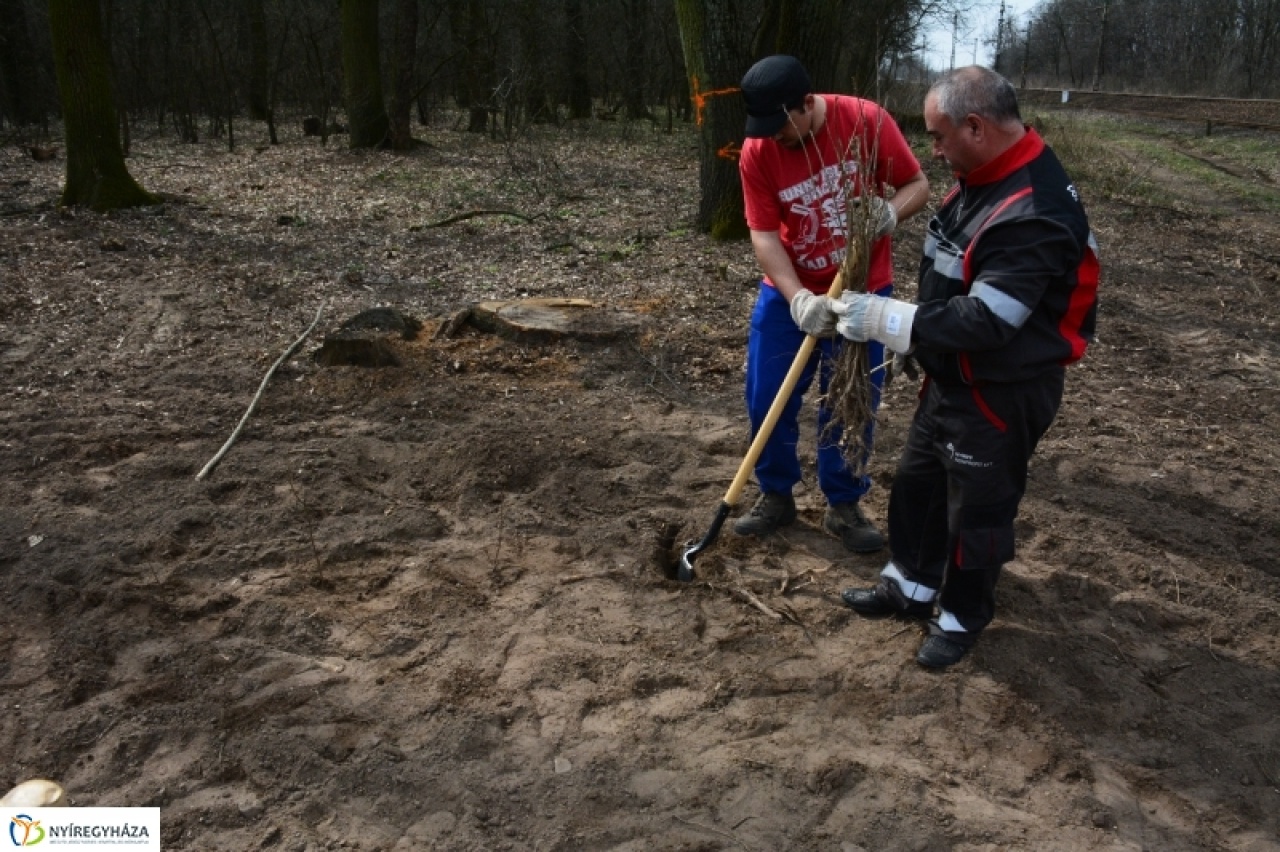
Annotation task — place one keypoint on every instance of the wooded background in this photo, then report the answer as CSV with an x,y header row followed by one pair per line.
x,y
1229,48
109,69
197,65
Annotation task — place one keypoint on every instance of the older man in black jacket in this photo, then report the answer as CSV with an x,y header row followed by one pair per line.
x,y
1007,298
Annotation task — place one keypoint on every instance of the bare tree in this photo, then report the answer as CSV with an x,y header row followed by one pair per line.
x,y
475,84
369,126
228,85
403,58
258,85
1259,53
715,61
529,69
575,60
96,173
18,90
635,78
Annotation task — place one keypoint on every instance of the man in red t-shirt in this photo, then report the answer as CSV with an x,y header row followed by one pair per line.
x,y
806,157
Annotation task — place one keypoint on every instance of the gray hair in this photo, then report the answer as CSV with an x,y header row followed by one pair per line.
x,y
978,91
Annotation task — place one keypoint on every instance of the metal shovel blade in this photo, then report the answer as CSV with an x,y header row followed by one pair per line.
x,y
684,567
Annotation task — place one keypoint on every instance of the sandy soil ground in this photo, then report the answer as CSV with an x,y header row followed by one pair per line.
x,y
422,606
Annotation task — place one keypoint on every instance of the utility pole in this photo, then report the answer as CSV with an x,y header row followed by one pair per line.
x,y
955,30
999,39
1102,37
1026,54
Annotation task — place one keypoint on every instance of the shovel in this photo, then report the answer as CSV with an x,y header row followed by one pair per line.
x,y
684,567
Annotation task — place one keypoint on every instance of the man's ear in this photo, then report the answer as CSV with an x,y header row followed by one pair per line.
x,y
975,124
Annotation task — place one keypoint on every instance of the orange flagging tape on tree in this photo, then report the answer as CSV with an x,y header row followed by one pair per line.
x,y
729,151
700,99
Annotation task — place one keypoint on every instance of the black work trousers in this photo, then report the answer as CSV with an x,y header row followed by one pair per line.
x,y
955,496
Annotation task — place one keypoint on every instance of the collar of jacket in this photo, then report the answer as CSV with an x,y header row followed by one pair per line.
x,y
1018,155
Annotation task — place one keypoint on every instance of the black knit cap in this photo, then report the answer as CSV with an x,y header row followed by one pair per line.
x,y
771,87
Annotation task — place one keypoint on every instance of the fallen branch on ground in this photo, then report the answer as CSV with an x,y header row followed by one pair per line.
x,y
471,214
757,603
711,828
288,353
589,575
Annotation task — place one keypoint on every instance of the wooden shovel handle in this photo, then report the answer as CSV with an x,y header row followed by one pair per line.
x,y
779,402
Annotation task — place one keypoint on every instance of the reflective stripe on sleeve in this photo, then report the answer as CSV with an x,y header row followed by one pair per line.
x,y
1001,304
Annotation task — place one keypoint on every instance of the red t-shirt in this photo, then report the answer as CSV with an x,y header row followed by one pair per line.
x,y
801,192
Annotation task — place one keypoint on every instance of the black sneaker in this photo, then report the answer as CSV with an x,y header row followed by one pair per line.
x,y
938,652
883,600
770,512
847,521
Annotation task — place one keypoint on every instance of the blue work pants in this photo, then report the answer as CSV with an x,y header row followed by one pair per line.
x,y
774,341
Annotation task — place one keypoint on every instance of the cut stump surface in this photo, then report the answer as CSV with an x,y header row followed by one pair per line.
x,y
545,320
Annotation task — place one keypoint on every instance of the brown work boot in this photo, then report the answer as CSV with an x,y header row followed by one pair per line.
x,y
858,534
771,512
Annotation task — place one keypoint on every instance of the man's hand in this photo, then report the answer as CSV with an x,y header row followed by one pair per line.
x,y
903,364
880,214
815,315
864,316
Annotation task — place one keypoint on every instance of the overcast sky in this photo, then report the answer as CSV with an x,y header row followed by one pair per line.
x,y
971,37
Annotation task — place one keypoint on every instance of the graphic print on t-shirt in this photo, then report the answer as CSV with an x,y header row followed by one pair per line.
x,y
818,211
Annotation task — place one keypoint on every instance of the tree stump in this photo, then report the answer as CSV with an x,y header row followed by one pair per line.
x,y
551,319
364,340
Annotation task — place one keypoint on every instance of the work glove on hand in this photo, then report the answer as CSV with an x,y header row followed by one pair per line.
x,y
903,363
815,315
864,317
880,213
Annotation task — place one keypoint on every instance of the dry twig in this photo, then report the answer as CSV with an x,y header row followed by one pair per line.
x,y
757,603
288,353
589,575
711,828
472,214
849,391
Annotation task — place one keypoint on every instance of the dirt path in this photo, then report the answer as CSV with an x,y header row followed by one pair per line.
x,y
417,607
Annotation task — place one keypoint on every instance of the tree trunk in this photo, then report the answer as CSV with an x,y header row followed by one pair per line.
x,y
18,66
476,82
635,83
805,30
1102,40
1260,46
319,89
228,85
367,120
575,57
531,98
707,28
259,76
403,54
96,173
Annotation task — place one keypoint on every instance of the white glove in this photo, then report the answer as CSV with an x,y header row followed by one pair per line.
x,y
880,213
864,316
815,315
